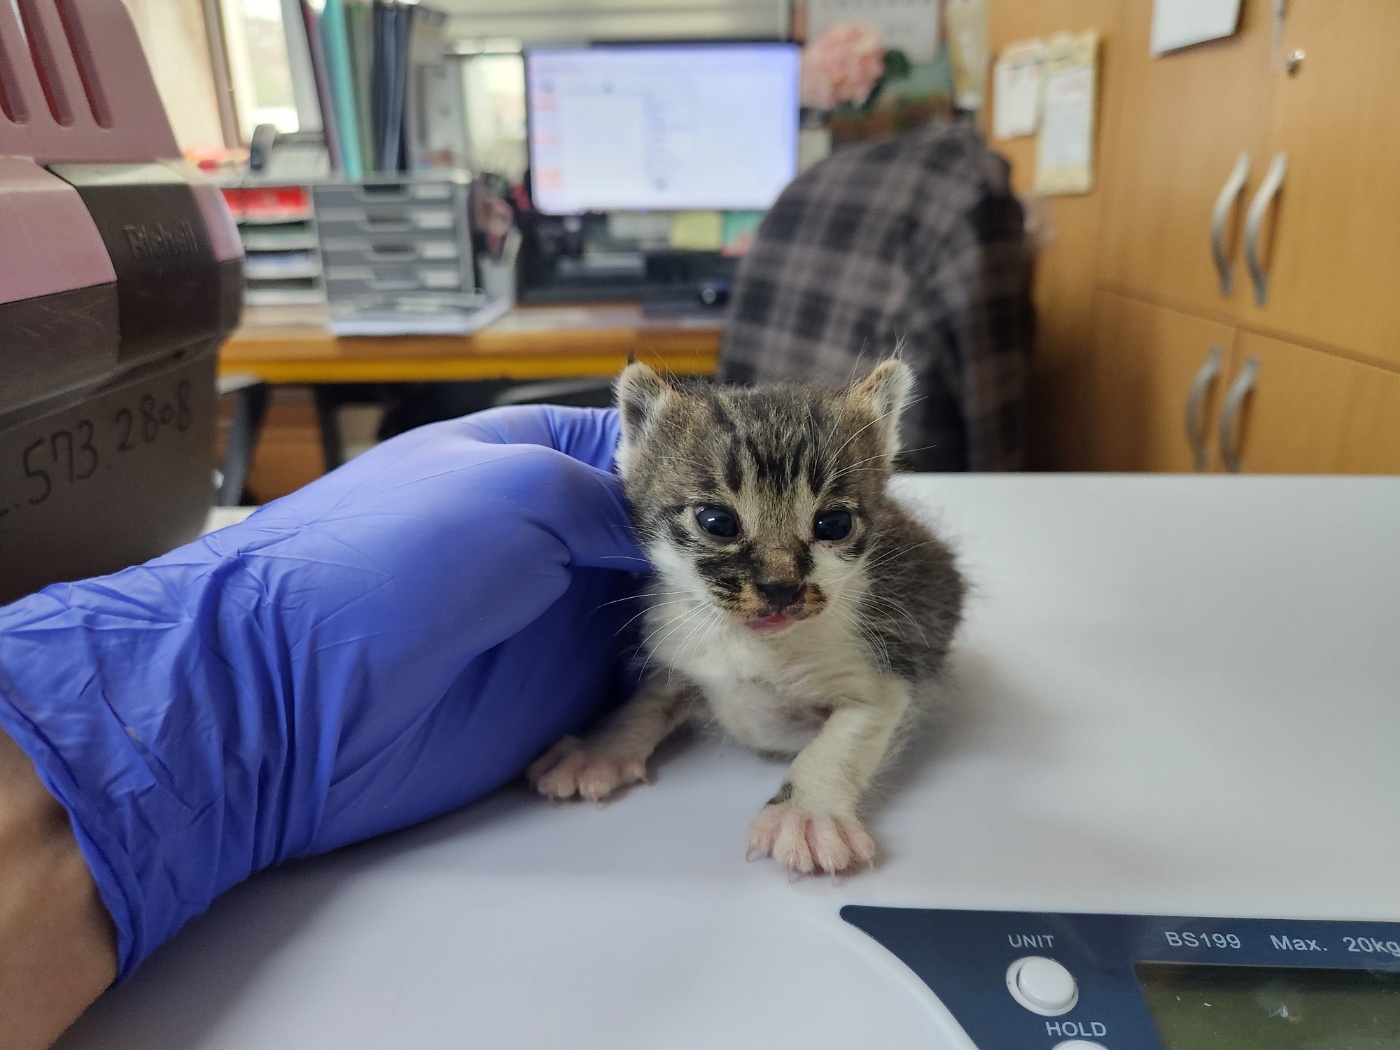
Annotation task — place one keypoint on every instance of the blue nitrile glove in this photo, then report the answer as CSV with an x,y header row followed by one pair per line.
x,y
392,641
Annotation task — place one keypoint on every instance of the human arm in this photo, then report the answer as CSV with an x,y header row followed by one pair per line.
x,y
387,644
58,949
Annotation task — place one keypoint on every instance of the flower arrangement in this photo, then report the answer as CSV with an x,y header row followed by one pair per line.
x,y
845,68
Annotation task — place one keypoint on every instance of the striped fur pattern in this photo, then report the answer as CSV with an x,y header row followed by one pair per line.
x,y
795,604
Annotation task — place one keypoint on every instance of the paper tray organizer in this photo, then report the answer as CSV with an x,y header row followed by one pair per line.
x,y
385,238
120,275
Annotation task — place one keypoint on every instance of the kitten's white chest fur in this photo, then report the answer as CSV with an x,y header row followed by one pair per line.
x,y
772,692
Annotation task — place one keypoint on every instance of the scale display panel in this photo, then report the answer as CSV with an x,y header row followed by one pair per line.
x,y
1135,982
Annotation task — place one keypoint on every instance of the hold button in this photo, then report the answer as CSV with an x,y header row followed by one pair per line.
x,y
1042,985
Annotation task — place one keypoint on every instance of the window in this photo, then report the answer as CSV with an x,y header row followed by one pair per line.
x,y
175,37
494,84
259,67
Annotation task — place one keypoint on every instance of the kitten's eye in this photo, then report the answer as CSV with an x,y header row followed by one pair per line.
x,y
832,525
717,521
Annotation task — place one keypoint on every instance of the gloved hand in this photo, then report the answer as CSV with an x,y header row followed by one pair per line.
x,y
390,642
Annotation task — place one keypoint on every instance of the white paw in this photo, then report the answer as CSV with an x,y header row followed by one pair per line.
x,y
569,768
810,843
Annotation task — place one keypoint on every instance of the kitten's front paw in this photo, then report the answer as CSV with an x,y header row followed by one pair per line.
x,y
569,768
808,842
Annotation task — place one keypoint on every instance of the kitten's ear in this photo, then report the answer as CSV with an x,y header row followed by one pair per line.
x,y
640,391
883,394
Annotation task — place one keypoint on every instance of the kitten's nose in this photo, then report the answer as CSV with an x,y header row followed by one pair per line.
x,y
779,595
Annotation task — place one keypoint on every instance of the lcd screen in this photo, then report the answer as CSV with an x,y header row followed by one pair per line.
x,y
1272,1008
661,126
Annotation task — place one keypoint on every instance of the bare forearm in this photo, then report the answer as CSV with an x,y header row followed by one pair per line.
x,y
57,945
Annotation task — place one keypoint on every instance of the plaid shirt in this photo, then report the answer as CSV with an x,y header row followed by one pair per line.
x,y
915,242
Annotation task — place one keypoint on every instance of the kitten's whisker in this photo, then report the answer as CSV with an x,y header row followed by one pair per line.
x,y
871,459
846,576
638,596
896,552
659,605
858,465
704,624
679,621
673,622
884,556
877,644
882,415
893,606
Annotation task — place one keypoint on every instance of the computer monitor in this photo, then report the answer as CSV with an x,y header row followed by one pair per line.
x,y
637,127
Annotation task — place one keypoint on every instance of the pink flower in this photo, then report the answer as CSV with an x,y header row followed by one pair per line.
x,y
842,65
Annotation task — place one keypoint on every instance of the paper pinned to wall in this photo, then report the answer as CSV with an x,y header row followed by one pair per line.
x,y
1065,159
966,25
1181,23
1016,89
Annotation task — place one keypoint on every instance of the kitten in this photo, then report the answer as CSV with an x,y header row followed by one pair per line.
x,y
794,602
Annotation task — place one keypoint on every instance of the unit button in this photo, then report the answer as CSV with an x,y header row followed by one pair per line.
x,y
1042,985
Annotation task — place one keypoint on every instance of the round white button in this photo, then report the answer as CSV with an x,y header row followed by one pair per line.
x,y
1078,1044
1042,985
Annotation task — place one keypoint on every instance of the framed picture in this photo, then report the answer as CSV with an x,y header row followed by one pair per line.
x,y
873,68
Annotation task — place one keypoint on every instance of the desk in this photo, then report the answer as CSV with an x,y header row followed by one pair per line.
x,y
294,345
1173,695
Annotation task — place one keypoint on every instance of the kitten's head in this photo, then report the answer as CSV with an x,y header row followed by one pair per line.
x,y
761,500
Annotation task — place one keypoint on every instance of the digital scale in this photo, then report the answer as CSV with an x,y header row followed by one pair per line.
x,y
1085,982
1159,811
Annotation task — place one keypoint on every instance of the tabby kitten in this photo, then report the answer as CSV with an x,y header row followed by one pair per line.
x,y
794,602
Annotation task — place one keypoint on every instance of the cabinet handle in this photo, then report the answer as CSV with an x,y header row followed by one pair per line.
x,y
1239,390
1224,204
1263,197
1195,430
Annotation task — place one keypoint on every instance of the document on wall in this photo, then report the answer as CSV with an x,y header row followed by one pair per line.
x,y
966,24
1181,23
1065,159
1017,78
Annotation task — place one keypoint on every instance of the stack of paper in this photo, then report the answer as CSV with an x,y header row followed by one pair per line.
x,y
410,316
360,58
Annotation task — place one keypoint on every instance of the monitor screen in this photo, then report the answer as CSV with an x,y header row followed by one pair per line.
x,y
635,127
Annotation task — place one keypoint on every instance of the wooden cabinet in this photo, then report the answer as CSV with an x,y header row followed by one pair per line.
x,y
1137,313
1181,123
1334,260
1161,382
1146,361
1067,263
1315,413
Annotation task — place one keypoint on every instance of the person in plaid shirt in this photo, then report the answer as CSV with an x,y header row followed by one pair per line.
x,y
915,243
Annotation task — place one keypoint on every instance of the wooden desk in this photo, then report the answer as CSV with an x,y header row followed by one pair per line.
x,y
294,345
